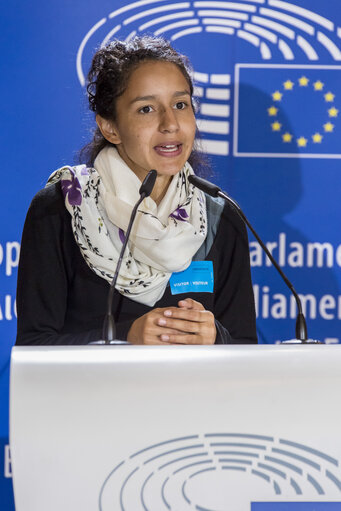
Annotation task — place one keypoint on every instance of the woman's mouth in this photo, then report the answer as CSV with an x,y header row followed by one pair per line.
x,y
169,150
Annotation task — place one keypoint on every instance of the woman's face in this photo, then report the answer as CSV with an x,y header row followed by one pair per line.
x,y
155,123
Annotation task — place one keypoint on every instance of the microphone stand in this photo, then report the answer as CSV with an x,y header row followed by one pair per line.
x,y
109,327
301,326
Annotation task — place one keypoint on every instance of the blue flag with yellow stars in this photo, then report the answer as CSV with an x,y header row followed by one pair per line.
x,y
287,111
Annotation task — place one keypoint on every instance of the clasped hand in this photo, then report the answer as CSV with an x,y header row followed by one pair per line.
x,y
189,323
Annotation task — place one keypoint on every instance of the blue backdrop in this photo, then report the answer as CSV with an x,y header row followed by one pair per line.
x,y
268,77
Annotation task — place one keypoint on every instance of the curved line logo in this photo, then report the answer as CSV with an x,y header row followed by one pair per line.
x,y
204,471
268,30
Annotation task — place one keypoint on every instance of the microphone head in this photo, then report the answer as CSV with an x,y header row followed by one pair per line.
x,y
148,183
204,186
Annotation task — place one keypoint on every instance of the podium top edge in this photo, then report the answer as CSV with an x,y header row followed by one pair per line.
x,y
97,354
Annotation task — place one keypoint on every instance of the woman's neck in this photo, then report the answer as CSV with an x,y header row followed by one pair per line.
x,y
162,181
160,188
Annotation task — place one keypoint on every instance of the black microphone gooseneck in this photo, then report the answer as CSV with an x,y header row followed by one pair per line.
x,y
215,191
109,327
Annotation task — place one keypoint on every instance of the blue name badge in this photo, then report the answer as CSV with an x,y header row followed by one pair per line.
x,y
198,278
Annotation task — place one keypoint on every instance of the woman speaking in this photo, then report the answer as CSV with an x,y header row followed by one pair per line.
x,y
185,276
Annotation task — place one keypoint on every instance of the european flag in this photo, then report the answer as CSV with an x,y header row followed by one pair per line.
x,y
287,111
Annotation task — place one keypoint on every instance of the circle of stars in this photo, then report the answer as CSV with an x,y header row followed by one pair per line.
x,y
317,137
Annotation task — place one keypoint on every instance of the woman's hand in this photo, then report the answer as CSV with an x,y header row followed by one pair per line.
x,y
189,323
197,324
149,328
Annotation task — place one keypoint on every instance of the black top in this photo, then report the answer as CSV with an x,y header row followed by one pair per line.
x,y
61,301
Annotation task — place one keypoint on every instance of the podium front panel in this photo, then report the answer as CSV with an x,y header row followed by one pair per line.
x,y
213,428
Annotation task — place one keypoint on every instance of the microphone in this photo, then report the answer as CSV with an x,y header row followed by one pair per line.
x,y
147,186
109,327
214,191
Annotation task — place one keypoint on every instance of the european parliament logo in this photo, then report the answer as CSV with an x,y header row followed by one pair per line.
x,y
287,111
271,31
205,471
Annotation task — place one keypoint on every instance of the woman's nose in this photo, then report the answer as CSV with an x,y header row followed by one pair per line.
x,y
168,121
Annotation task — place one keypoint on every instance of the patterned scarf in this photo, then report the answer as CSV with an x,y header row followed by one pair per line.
x,y
164,237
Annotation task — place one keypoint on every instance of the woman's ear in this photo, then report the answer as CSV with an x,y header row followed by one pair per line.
x,y
108,130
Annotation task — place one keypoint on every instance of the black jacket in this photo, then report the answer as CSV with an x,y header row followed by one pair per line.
x,y
61,301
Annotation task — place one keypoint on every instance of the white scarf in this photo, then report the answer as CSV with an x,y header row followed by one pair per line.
x,y
163,240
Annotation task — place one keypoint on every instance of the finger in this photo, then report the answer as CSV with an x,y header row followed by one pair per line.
x,y
182,325
189,303
151,330
184,339
152,339
185,304
200,316
158,342
158,330
163,327
169,331
174,339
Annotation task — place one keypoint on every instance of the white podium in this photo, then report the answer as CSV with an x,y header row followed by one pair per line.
x,y
240,428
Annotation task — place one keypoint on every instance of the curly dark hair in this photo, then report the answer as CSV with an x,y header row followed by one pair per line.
x,y
111,68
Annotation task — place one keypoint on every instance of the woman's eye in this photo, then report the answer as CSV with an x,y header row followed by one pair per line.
x,y
180,105
145,109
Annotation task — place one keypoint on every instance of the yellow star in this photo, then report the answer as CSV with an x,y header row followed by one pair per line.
x,y
329,97
333,112
328,127
272,111
276,126
288,85
302,142
303,81
277,96
318,85
317,138
287,137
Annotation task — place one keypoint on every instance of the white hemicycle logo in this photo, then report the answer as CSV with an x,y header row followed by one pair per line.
x,y
204,471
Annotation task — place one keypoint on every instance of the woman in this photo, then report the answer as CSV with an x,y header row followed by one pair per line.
x,y
141,93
